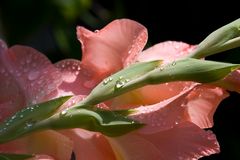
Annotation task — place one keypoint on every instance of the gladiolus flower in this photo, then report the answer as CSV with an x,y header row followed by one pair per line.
x,y
175,113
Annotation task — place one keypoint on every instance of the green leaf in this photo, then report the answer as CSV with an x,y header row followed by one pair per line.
x,y
109,86
6,156
110,123
224,38
188,69
18,124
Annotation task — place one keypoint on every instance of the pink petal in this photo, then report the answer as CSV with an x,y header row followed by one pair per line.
x,y
49,143
89,145
27,77
74,77
202,104
164,115
167,51
231,82
185,141
109,49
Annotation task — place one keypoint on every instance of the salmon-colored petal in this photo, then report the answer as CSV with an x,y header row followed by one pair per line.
x,y
28,76
49,143
185,141
149,95
168,51
163,115
231,82
107,50
75,79
202,103
89,145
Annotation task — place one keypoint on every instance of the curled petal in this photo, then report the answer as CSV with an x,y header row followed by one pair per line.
x,y
109,49
202,103
185,141
89,145
168,51
27,76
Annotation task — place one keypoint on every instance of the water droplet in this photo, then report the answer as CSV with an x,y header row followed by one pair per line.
x,y
63,65
161,68
18,74
33,75
176,123
31,109
34,101
51,86
21,116
28,60
174,63
25,70
7,124
119,84
2,70
107,80
96,31
29,124
64,112
34,64
76,73
13,117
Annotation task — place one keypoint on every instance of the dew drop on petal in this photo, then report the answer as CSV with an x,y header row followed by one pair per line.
x,y
2,70
33,75
28,60
96,31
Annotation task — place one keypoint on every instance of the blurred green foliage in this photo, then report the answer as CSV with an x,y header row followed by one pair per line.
x,y
50,25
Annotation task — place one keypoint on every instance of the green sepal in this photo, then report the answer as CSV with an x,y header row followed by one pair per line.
x,y
18,124
109,123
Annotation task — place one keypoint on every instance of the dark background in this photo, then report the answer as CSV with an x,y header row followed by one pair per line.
x,y
49,26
